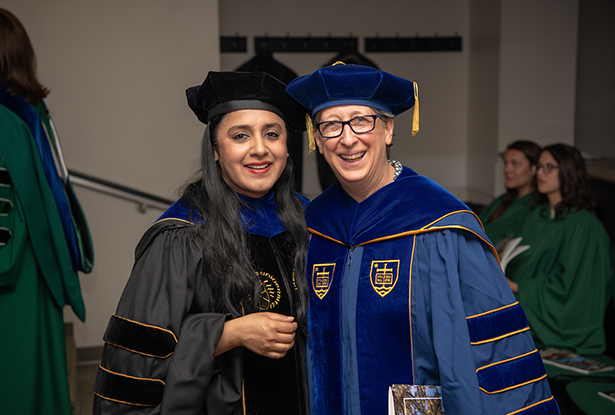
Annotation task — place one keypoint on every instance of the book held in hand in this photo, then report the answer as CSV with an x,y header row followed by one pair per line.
x,y
415,400
571,361
508,249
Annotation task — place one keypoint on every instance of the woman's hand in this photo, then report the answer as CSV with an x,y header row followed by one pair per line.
x,y
267,334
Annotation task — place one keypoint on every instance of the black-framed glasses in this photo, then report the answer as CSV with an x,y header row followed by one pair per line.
x,y
359,125
548,168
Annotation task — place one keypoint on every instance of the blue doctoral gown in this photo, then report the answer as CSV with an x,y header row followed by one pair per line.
x,y
405,288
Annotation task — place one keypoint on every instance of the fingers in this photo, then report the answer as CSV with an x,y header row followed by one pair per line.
x,y
276,316
269,334
277,322
278,353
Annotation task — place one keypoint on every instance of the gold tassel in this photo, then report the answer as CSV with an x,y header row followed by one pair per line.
x,y
310,127
415,116
310,130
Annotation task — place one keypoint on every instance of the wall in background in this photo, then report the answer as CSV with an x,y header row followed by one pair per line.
x,y
440,148
538,60
595,112
483,98
514,78
117,70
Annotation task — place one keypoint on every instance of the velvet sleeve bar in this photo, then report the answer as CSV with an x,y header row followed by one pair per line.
x,y
166,284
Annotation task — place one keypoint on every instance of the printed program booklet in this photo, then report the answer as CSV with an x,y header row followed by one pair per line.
x,y
571,361
415,400
508,249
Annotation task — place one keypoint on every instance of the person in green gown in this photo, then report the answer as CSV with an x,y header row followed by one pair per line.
x,y
561,280
40,239
502,216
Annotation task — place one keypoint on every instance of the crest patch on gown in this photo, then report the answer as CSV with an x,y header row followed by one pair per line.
x,y
383,276
270,294
322,277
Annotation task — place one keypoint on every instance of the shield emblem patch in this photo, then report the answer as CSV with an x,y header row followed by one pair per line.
x,y
383,276
322,277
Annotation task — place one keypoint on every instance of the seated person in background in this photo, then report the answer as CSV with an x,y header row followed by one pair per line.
x,y
502,217
561,280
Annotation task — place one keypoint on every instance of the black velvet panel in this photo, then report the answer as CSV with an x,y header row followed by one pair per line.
x,y
5,235
140,338
5,178
128,390
222,88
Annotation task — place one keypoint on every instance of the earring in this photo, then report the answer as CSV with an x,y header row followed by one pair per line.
x,y
287,154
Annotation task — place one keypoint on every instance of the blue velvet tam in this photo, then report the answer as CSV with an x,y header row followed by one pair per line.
x,y
224,92
342,84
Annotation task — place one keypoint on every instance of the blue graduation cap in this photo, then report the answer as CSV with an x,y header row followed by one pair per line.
x,y
342,84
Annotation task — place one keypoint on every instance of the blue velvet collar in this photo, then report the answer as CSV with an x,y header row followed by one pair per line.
x,y
19,106
260,215
337,216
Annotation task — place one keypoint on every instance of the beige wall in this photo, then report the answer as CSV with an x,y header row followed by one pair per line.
x,y
117,70
439,150
523,59
595,113
483,97
538,61
514,78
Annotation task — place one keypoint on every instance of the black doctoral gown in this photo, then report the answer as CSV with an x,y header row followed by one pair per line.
x,y
159,347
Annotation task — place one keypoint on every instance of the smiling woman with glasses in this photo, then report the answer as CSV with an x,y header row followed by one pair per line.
x,y
359,125
381,230
562,278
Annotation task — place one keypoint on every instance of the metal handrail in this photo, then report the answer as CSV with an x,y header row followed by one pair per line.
x,y
143,199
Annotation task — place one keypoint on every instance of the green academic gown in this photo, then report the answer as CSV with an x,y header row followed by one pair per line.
x,y
563,279
508,223
36,280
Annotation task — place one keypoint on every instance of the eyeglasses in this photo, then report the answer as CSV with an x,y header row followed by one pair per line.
x,y
359,125
548,168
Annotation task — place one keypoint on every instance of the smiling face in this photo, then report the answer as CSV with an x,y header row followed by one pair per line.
x,y
518,172
548,181
359,161
251,150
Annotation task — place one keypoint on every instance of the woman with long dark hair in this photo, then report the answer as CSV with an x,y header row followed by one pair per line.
x,y
44,238
502,217
561,280
213,317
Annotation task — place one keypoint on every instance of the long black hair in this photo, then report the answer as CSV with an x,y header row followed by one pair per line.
x,y
574,184
531,151
225,244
